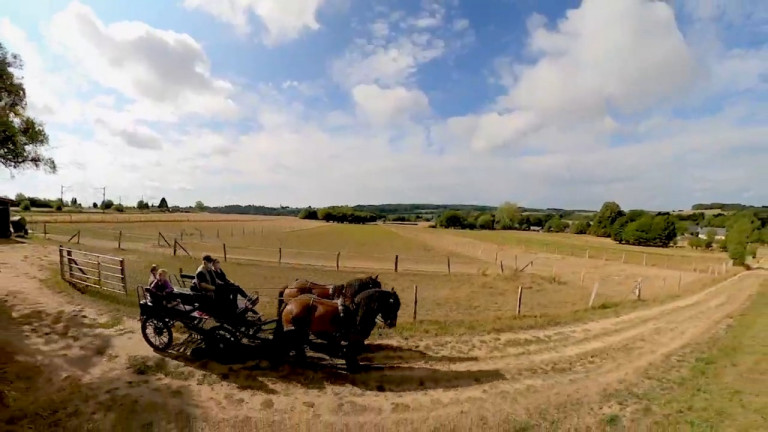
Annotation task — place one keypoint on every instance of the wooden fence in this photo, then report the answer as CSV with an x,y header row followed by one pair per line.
x,y
92,270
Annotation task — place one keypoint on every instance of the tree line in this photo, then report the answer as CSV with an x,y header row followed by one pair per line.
x,y
27,203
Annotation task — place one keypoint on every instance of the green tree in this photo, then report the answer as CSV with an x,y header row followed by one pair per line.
x,y
95,205
485,222
22,138
617,230
507,216
451,219
609,213
581,227
74,202
142,205
308,213
199,206
20,197
25,206
696,242
163,204
710,240
108,204
555,225
119,208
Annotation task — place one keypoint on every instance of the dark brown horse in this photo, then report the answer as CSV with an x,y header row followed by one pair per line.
x,y
346,291
307,315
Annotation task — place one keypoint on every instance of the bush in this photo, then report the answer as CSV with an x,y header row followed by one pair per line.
x,y
451,219
485,222
345,215
58,207
25,206
309,214
119,208
581,227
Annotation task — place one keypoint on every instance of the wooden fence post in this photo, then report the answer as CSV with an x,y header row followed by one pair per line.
x,y
396,260
594,293
679,282
69,263
175,243
449,265
122,275
78,236
224,245
581,282
623,257
501,264
280,256
338,255
496,259
45,230
519,300
587,253
645,258
61,261
516,267
639,289
120,240
415,300
98,270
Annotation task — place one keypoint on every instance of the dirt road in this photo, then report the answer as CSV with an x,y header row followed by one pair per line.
x,y
447,383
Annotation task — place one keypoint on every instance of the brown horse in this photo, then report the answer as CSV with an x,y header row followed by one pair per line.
x,y
347,291
307,314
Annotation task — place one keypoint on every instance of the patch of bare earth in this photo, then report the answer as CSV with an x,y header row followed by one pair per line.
x,y
508,381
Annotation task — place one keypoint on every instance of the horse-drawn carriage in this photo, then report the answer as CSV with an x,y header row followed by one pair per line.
x,y
307,314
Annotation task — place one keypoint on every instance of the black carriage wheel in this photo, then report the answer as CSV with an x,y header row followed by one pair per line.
x,y
157,333
221,340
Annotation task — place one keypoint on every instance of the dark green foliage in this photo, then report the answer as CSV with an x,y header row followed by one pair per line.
x,y
21,137
308,213
142,205
555,225
452,219
74,202
581,227
119,208
106,205
95,205
658,231
609,213
485,222
696,243
617,230
25,206
163,204
58,207
345,215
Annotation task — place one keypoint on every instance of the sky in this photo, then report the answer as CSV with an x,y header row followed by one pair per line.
x,y
547,103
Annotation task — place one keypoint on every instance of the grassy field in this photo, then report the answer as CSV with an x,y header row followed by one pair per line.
x,y
723,388
449,304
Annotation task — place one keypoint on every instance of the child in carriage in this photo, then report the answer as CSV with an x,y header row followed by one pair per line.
x,y
161,290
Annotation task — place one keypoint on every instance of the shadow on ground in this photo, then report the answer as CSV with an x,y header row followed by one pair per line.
x,y
249,369
44,358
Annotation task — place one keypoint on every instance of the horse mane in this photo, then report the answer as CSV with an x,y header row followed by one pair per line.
x,y
368,303
352,288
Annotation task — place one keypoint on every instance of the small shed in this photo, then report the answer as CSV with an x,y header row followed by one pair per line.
x,y
5,217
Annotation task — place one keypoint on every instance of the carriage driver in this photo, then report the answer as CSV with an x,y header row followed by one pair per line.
x,y
204,279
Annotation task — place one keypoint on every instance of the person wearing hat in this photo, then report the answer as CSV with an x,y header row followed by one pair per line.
x,y
152,274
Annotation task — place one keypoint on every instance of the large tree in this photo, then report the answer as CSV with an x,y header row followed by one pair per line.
x,y
22,138
507,216
609,213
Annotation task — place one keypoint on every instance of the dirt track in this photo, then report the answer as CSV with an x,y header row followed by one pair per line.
x,y
443,383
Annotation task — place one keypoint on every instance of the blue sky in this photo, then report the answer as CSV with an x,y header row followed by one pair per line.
x,y
653,104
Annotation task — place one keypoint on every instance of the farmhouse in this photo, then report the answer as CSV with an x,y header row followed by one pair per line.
x,y
719,232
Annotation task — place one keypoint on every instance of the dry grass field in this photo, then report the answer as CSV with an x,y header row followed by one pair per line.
x,y
475,298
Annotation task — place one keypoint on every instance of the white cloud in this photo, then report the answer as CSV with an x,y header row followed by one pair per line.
x,y
605,56
160,70
385,107
283,20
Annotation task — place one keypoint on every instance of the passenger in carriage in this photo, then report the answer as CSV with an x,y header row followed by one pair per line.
x,y
163,290
152,274
232,289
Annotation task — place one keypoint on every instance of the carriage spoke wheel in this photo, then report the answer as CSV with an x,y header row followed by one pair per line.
x,y
221,341
157,333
